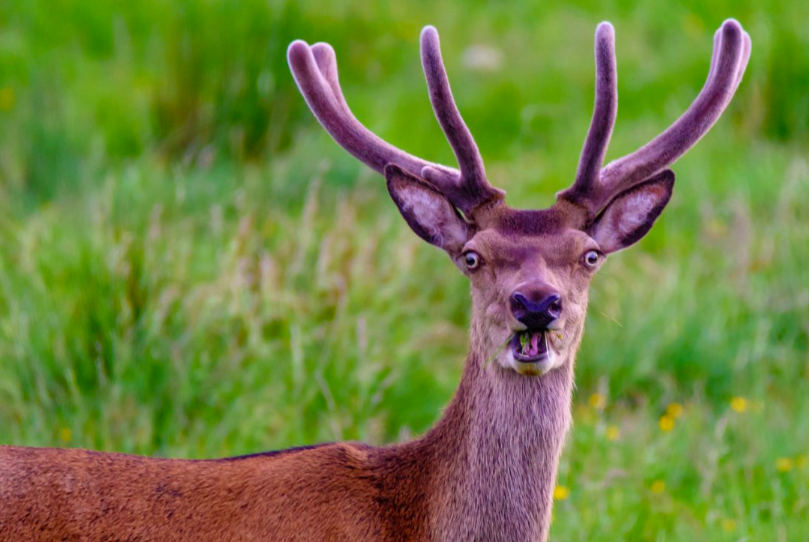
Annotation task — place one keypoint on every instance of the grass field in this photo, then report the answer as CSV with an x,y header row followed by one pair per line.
x,y
190,267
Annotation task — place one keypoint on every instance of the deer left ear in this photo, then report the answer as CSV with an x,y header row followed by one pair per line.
x,y
426,210
632,213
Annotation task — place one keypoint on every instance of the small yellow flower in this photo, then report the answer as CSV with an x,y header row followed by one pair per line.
x,y
613,432
659,486
560,493
6,98
65,434
666,423
597,401
728,525
784,464
739,404
675,410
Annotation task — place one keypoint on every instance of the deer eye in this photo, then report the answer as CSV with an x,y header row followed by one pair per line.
x,y
591,258
472,260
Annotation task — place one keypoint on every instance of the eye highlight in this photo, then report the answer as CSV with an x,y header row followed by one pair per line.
x,y
591,259
471,260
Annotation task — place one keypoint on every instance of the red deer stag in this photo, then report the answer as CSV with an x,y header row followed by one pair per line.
x,y
487,470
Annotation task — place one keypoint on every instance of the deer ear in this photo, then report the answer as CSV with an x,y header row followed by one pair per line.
x,y
632,213
428,212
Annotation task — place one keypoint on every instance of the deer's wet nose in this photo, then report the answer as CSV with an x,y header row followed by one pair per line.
x,y
536,314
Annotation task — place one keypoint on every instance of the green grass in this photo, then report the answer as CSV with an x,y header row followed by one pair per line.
x,y
190,267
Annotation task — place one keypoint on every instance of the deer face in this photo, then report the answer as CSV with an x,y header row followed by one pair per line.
x,y
530,292
529,270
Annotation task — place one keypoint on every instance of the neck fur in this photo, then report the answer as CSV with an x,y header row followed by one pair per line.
x,y
496,452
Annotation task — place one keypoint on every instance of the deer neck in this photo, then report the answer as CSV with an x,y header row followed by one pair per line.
x,y
496,451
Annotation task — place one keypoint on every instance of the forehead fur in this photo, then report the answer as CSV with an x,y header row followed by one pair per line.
x,y
510,222
520,223
507,248
511,236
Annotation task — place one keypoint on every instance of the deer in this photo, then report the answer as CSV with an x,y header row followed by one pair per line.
x,y
487,469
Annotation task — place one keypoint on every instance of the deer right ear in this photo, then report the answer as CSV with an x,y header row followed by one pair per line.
x,y
632,213
428,212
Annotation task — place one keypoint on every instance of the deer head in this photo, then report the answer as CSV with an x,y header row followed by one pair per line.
x,y
529,269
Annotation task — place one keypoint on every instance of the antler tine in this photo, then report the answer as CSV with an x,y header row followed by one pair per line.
x,y
717,40
315,71
471,188
746,50
729,61
326,62
603,120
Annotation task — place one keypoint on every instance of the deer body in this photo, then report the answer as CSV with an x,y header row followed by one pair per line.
x,y
83,495
487,470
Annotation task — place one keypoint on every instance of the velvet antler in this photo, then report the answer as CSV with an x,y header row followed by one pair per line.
x,y
315,71
594,187
604,111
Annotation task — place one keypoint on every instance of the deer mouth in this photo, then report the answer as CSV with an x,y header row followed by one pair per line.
x,y
530,346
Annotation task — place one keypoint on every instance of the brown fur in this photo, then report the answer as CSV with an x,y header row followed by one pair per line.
x,y
492,458
486,471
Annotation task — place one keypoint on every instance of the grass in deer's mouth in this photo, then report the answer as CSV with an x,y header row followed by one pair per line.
x,y
531,344
523,338
499,349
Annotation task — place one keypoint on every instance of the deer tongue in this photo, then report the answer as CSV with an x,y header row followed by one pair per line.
x,y
533,343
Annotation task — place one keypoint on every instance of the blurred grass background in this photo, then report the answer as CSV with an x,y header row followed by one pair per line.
x,y
190,267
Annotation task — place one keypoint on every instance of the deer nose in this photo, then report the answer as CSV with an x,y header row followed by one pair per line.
x,y
536,314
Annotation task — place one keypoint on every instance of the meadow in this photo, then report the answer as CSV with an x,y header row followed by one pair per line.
x,y
190,267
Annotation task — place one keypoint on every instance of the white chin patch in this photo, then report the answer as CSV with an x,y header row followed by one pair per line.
x,y
531,368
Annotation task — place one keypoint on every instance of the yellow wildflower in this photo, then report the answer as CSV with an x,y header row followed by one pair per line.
x,y
666,423
728,525
6,98
597,401
675,410
739,404
659,486
613,432
560,493
65,434
784,464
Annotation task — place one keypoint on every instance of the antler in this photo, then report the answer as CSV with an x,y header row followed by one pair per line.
x,y
593,188
604,112
315,71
